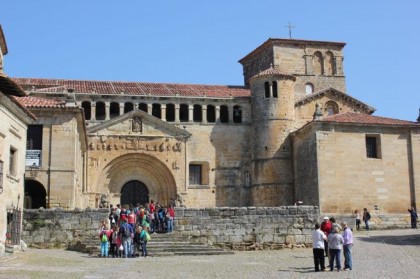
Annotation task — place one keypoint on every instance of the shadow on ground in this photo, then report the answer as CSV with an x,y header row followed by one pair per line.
x,y
413,239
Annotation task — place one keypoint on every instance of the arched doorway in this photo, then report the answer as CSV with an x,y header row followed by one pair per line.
x,y
134,192
35,195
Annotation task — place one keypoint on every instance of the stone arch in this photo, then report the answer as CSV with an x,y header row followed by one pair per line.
x,y
329,63
318,63
331,108
142,167
35,195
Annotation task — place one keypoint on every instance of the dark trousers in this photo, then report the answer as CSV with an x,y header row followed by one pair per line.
x,y
326,248
144,249
319,259
358,224
413,223
335,255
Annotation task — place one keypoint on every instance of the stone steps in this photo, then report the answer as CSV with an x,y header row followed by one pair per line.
x,y
160,245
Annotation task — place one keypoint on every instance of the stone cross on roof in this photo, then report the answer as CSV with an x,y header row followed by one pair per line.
x,y
290,29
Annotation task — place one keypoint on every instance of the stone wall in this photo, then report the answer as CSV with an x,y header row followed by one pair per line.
x,y
58,228
240,228
246,228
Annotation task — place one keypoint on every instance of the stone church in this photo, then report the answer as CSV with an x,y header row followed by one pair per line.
x,y
290,133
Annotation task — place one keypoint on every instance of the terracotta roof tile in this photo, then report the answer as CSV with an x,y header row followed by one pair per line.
x,y
366,119
37,102
133,88
274,72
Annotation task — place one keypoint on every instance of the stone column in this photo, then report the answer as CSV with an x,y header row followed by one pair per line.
x,y
149,108
204,113
135,106
230,109
107,112
339,65
217,114
190,113
177,113
309,67
93,111
163,112
271,90
121,108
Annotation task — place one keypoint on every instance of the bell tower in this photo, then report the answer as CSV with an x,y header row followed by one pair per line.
x,y
272,102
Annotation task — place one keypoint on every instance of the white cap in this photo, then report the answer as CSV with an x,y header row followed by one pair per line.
x,y
326,218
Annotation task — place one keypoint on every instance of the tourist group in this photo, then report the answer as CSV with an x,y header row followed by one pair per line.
x,y
128,229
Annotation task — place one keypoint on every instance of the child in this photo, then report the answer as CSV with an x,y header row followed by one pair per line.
x,y
144,236
137,241
114,239
104,236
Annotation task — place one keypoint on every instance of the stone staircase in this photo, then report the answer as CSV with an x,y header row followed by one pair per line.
x,y
160,245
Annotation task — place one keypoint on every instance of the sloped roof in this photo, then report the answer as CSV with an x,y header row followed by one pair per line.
x,y
273,72
366,119
132,88
334,91
3,44
9,87
37,102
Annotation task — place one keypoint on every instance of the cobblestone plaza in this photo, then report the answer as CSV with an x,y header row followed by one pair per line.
x,y
376,254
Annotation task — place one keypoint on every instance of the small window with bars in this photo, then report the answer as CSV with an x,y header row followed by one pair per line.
x,y
195,174
373,146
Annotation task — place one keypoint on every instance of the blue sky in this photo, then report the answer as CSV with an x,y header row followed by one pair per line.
x,y
187,41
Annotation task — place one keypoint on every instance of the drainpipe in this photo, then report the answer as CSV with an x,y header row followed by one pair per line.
x,y
49,168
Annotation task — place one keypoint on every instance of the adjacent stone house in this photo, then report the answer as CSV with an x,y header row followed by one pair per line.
x,y
14,120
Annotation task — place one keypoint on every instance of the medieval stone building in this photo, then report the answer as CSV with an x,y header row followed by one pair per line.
x,y
14,120
291,132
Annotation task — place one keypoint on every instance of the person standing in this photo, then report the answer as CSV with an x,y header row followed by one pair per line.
x,y
347,245
318,238
170,215
357,216
104,236
414,217
335,245
326,229
126,232
366,218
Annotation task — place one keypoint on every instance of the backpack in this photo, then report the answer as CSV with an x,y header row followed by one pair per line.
x,y
104,237
125,231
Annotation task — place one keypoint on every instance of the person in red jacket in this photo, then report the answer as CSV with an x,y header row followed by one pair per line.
x,y
326,227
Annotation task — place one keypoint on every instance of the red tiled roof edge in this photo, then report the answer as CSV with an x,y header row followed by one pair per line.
x,y
37,102
137,88
366,119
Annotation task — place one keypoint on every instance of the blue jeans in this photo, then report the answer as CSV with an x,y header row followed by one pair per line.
x,y
170,225
127,246
335,255
104,248
347,256
367,224
144,249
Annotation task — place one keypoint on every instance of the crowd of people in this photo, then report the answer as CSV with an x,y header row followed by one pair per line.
x,y
128,228
327,238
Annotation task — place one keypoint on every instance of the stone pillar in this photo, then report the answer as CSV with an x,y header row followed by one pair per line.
x,y
230,110
204,113
177,113
271,89
163,112
107,112
309,67
121,108
149,108
135,106
93,111
339,65
190,113
217,114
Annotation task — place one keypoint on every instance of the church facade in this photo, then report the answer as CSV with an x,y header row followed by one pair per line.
x,y
291,132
